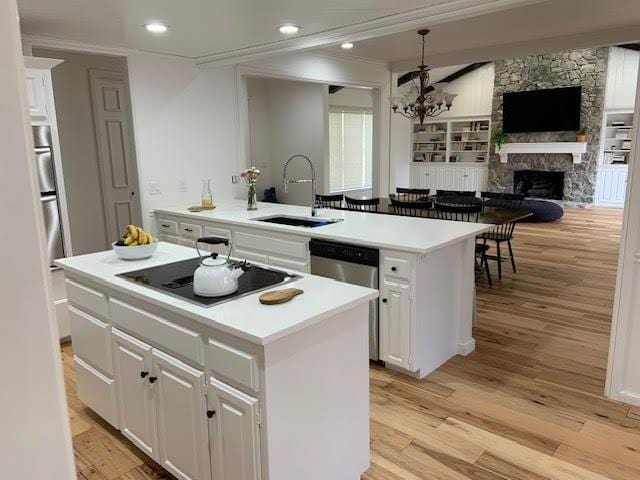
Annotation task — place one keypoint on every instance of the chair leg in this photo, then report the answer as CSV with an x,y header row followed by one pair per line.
x,y
486,265
499,260
513,260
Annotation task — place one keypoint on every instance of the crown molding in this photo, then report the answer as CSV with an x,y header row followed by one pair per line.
x,y
445,11
39,41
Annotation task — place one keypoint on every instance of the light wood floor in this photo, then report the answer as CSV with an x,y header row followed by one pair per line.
x,y
527,405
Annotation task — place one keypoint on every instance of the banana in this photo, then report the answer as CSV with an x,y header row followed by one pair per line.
x,y
134,243
133,231
128,240
142,236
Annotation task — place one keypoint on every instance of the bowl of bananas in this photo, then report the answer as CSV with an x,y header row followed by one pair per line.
x,y
136,244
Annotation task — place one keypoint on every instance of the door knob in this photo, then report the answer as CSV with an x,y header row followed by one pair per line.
x,y
384,300
143,374
210,413
152,379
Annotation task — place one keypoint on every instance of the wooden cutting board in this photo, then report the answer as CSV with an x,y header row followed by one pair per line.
x,y
279,296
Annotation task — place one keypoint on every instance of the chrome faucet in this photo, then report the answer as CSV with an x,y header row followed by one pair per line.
x,y
285,181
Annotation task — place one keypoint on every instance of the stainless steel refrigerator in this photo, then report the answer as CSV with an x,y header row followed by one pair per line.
x,y
48,191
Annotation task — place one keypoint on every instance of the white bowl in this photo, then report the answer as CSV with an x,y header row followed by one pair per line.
x,y
138,252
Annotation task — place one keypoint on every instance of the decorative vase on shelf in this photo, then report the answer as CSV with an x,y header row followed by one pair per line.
x,y
252,201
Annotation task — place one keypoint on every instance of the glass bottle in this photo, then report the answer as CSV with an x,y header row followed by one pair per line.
x,y
206,197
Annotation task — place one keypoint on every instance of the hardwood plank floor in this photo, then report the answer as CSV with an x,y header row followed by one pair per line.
x,y
526,405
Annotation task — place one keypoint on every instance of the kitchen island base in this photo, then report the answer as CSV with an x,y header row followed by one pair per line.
x,y
209,405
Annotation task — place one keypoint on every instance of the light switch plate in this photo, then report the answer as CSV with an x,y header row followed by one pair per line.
x,y
154,188
235,179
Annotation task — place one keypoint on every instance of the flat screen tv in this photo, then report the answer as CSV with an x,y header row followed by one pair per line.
x,y
552,110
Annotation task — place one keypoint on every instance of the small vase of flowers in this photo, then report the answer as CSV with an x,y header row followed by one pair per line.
x,y
250,175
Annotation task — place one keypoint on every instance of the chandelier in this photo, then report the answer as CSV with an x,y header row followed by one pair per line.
x,y
431,101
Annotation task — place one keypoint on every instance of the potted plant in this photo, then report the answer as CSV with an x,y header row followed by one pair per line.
x,y
581,135
499,138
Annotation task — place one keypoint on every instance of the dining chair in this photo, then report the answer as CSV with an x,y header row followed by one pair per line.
x,y
410,208
362,204
501,233
329,201
455,193
412,194
462,209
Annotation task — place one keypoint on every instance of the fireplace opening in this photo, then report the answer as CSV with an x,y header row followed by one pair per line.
x,y
539,184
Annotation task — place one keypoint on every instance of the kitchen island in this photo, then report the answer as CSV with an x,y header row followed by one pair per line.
x,y
426,268
237,390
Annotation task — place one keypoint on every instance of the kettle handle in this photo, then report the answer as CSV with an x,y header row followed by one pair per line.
x,y
213,241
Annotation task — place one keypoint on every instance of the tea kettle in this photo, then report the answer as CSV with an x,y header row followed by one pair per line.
x,y
215,277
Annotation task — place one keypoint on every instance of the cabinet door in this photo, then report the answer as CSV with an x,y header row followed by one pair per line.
x,y
611,186
136,406
249,255
217,232
181,418
419,176
36,94
234,433
395,324
169,238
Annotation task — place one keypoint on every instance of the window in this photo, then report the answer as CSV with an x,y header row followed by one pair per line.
x,y
350,149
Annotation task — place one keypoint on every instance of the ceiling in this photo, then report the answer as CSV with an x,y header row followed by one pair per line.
x,y
198,28
539,22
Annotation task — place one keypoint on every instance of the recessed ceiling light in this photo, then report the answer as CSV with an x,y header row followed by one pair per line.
x,y
347,46
156,27
289,29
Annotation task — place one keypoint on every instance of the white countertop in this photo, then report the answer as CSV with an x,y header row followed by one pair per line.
x,y
245,317
419,235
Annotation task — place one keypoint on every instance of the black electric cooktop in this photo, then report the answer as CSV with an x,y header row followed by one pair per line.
x,y
177,279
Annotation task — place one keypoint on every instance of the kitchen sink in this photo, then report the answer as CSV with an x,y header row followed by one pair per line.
x,y
297,221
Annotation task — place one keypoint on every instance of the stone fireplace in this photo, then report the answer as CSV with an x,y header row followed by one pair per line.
x,y
539,184
583,67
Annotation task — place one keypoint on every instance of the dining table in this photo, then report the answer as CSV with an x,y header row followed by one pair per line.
x,y
489,215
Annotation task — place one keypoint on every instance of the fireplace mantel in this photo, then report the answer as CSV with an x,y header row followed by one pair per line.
x,y
576,149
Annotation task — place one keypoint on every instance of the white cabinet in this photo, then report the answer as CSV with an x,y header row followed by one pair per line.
x,y
136,402
395,324
234,433
449,177
161,403
622,77
36,94
181,418
611,185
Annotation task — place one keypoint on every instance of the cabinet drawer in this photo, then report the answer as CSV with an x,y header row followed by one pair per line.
x,y
286,264
393,266
87,298
233,364
158,331
91,340
278,245
96,391
168,227
190,230
169,238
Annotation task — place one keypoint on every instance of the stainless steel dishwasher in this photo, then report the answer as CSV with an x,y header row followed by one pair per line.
x,y
350,264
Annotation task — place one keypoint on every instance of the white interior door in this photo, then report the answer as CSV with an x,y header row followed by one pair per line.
x,y
234,433
182,418
116,153
136,405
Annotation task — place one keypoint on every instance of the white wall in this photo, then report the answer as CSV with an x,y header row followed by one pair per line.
x,y
298,119
352,97
35,441
186,128
260,146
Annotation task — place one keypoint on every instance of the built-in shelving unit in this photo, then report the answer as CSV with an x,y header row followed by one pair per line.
x,y
616,138
452,141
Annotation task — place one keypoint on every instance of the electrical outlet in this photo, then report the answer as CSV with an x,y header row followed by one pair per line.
x,y
154,188
235,179
182,185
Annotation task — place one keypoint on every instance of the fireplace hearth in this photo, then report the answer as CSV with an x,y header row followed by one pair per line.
x,y
539,184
